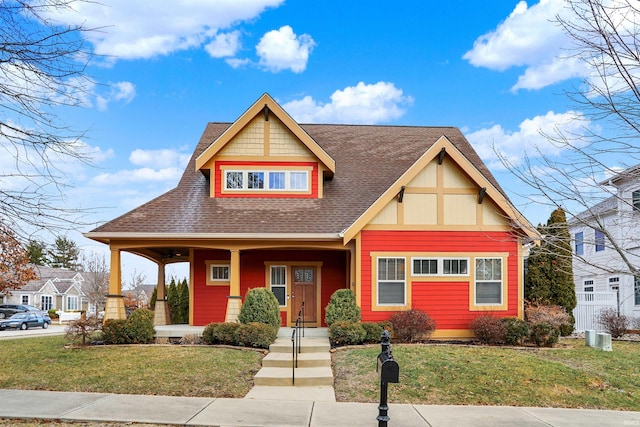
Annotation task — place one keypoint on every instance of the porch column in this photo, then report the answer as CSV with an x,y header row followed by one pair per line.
x,y
114,307
161,311
234,300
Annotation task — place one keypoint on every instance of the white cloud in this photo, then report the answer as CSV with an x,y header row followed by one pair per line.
x,y
163,158
139,176
120,91
149,28
237,62
363,103
224,45
282,49
529,140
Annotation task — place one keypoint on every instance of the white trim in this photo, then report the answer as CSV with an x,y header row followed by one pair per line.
x,y
492,280
279,285
212,236
380,281
245,171
440,266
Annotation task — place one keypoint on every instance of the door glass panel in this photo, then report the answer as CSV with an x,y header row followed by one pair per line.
x,y
304,275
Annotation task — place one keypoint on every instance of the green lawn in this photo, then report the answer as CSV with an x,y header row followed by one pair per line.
x,y
571,376
46,364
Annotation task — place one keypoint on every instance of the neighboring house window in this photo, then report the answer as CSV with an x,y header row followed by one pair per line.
x,y
488,281
46,302
439,266
599,241
279,283
259,180
24,299
614,284
588,288
635,200
579,239
391,281
636,290
72,303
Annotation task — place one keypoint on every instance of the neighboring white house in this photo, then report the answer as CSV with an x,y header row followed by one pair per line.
x,y
601,277
55,288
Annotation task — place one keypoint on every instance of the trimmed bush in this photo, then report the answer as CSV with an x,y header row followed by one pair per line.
x,y
612,322
258,335
373,332
342,307
208,334
412,325
261,306
543,334
221,333
515,330
114,331
347,333
488,329
140,326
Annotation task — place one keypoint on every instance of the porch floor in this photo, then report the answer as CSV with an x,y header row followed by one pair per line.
x,y
179,331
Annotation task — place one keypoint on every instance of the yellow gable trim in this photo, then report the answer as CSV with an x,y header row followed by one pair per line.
x,y
275,109
474,174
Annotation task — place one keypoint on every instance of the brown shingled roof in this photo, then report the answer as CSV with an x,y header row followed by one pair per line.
x,y
369,159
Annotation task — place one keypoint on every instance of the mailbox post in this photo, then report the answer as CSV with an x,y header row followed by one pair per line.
x,y
389,372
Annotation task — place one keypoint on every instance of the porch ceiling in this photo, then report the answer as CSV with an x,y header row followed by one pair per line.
x,y
166,254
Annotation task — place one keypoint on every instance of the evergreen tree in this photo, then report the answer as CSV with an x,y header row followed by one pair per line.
x,y
172,300
154,298
37,252
183,304
549,278
65,254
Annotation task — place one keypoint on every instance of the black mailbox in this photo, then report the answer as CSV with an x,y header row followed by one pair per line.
x,y
388,369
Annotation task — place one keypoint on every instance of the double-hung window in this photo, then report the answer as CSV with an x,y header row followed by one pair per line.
x,y
46,302
599,238
635,200
636,290
488,281
579,243
72,303
391,281
279,283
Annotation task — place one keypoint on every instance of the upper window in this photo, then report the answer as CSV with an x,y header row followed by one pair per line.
x,y
391,281
260,180
599,240
439,266
588,285
488,281
579,242
635,200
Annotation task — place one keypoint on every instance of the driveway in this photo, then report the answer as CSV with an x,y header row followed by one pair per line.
x,y
32,332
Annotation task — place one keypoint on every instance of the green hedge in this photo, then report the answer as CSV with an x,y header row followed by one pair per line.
x,y
137,329
254,334
347,333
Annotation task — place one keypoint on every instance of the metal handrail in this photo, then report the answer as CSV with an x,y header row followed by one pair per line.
x,y
294,356
296,343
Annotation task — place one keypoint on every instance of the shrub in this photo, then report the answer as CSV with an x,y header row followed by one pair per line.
x,y
189,339
554,315
221,333
208,334
543,334
53,313
488,329
412,325
260,305
140,326
515,330
114,331
612,322
347,333
82,330
342,307
258,335
373,332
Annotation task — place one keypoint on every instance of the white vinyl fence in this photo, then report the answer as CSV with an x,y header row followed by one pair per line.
x,y
589,306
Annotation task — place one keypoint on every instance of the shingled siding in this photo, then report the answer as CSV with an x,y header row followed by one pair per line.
x,y
210,302
447,301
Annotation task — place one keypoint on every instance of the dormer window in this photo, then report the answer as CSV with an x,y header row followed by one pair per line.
x,y
267,180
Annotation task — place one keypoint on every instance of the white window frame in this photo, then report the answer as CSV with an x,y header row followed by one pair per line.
x,y
439,266
279,285
266,187
579,243
500,280
43,306
22,299
213,267
75,306
380,281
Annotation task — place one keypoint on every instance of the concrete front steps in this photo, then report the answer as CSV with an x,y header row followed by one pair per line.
x,y
313,376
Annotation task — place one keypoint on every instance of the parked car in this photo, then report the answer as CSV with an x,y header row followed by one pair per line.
x,y
25,321
8,310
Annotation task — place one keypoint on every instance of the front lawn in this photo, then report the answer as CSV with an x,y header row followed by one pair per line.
x,y
570,376
46,364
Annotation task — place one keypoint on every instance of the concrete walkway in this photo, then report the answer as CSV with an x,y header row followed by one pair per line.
x,y
198,411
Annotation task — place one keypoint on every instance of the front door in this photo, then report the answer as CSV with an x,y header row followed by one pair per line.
x,y
304,290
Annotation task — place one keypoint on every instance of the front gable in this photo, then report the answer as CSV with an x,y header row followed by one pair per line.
x,y
265,153
442,190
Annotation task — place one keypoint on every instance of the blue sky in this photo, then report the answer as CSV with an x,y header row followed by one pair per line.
x,y
495,69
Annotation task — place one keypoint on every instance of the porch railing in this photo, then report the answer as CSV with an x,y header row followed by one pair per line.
x,y
296,339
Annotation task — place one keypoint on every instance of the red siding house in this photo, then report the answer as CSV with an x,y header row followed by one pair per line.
x,y
405,216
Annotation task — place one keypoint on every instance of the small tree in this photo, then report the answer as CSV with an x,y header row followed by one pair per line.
x,y
172,301
64,254
96,280
154,298
15,270
342,307
260,305
81,330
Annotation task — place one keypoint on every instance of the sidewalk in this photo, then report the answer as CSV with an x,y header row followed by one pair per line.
x,y
198,411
